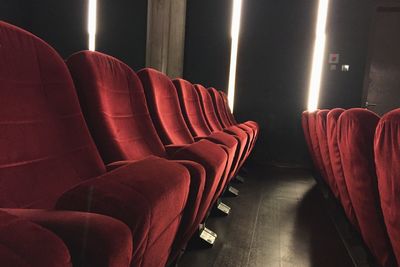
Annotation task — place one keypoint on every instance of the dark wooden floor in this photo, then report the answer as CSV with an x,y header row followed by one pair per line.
x,y
279,219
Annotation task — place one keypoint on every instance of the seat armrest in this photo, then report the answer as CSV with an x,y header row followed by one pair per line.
x,y
101,233
117,164
172,149
198,138
25,243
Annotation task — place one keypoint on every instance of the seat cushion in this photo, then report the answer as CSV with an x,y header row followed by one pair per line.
x,y
147,195
24,244
92,239
214,166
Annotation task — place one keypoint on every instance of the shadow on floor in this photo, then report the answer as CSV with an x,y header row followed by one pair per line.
x,y
279,219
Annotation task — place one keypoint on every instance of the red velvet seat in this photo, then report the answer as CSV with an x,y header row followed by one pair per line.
x,y
48,160
306,131
336,163
194,118
356,129
254,125
168,120
220,111
23,243
91,239
321,130
214,125
116,111
316,151
387,159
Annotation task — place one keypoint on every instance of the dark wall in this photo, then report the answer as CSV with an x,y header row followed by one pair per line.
x,y
60,23
121,30
275,52
348,33
14,11
207,42
273,74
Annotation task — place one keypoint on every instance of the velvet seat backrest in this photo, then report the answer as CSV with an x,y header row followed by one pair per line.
x,y
45,146
387,159
208,108
228,109
356,129
114,104
312,128
164,107
336,163
219,107
323,145
306,131
191,108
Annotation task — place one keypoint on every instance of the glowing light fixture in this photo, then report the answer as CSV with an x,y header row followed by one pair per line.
x,y
235,31
92,24
318,56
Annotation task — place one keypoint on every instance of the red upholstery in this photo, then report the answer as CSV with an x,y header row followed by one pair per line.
x,y
356,128
150,217
336,163
115,108
219,107
215,126
92,239
196,122
163,102
306,131
312,128
323,145
25,244
164,108
46,149
116,111
254,125
387,159
114,105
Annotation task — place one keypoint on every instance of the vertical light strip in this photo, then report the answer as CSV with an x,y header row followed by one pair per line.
x,y
92,24
236,16
318,56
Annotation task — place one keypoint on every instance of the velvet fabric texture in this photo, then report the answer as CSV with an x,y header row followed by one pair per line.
x,y
336,163
196,122
163,102
116,110
46,150
321,129
26,244
355,133
219,107
253,124
306,131
91,239
215,126
312,129
387,159
148,195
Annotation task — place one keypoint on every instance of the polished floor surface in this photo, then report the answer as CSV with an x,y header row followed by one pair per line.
x,y
279,219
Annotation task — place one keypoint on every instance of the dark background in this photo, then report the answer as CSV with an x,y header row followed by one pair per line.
x,y
121,25
273,63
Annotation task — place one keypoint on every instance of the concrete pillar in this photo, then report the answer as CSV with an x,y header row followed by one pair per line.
x,y
166,36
